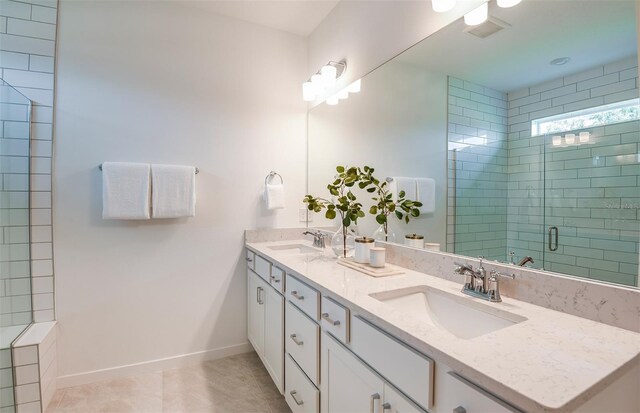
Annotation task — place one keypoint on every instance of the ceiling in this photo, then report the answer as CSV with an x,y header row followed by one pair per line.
x,y
590,32
299,17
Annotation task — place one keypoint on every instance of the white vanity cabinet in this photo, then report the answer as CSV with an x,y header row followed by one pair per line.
x,y
265,330
348,385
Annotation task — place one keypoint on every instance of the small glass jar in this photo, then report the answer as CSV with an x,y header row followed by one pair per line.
x,y
414,240
363,246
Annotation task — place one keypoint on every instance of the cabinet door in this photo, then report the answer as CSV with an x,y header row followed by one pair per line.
x,y
394,402
274,336
347,385
255,311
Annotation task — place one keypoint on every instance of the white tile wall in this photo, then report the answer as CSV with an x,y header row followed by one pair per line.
x,y
477,173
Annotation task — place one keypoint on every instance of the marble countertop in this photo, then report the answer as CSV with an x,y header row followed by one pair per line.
x,y
552,361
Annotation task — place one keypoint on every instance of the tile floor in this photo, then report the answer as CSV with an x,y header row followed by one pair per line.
x,y
237,384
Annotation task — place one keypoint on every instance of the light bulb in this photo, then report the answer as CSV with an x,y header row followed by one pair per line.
x,y
332,100
508,3
557,140
477,16
328,74
308,92
584,137
443,6
316,80
343,94
570,138
355,86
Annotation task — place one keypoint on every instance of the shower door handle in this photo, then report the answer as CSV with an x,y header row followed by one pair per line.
x,y
551,231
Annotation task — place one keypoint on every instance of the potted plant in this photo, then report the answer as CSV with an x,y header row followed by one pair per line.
x,y
344,204
402,208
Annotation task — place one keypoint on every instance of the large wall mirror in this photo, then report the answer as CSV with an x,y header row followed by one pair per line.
x,y
527,124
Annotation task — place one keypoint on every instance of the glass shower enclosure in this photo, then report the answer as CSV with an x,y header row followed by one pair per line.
x,y
15,269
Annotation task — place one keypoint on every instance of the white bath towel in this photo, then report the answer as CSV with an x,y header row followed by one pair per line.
x,y
274,196
174,191
408,185
126,190
426,193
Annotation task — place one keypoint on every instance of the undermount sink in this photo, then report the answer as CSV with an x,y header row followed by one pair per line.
x,y
294,249
460,316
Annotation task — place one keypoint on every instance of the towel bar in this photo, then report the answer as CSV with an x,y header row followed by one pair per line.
x,y
271,175
197,170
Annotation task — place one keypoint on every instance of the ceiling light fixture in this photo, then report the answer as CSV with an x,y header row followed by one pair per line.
x,y
508,3
560,61
443,6
477,16
324,79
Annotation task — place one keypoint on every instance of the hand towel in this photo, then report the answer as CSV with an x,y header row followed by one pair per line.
x,y
408,185
126,190
174,191
426,194
274,196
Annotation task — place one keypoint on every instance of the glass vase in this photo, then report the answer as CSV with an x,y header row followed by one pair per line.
x,y
343,242
384,233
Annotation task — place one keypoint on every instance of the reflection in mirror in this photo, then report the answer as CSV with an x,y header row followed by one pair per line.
x,y
528,124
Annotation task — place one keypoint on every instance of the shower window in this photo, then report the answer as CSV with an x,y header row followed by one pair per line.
x,y
587,118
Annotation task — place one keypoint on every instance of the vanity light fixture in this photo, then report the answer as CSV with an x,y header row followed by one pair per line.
x,y
584,137
557,140
508,3
332,100
443,6
570,138
323,79
355,86
477,16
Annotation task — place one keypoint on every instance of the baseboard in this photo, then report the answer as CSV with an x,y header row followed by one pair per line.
x,y
151,366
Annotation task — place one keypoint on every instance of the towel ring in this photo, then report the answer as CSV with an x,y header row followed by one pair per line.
x,y
271,175
196,168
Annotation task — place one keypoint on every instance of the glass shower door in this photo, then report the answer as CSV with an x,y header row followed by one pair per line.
x,y
592,202
15,271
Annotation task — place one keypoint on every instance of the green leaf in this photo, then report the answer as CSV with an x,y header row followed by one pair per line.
x,y
417,204
401,194
360,214
330,214
406,219
373,210
399,214
371,190
346,221
415,212
340,169
381,219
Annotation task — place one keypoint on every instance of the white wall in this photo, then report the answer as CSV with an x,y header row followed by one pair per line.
x,y
164,82
368,33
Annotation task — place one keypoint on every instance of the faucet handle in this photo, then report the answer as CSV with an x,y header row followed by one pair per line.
x,y
495,274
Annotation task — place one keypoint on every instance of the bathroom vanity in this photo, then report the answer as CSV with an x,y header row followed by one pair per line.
x,y
336,340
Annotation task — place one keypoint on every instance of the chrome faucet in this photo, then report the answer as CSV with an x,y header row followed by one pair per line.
x,y
318,238
478,284
524,261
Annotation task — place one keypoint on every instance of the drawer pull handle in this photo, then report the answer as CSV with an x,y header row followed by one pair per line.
x,y
459,409
274,279
374,397
295,294
386,407
260,289
295,399
294,337
330,320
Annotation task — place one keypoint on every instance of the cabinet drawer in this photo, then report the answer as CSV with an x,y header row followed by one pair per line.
x,y
459,392
277,278
262,268
300,394
302,338
304,297
251,258
409,371
334,318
